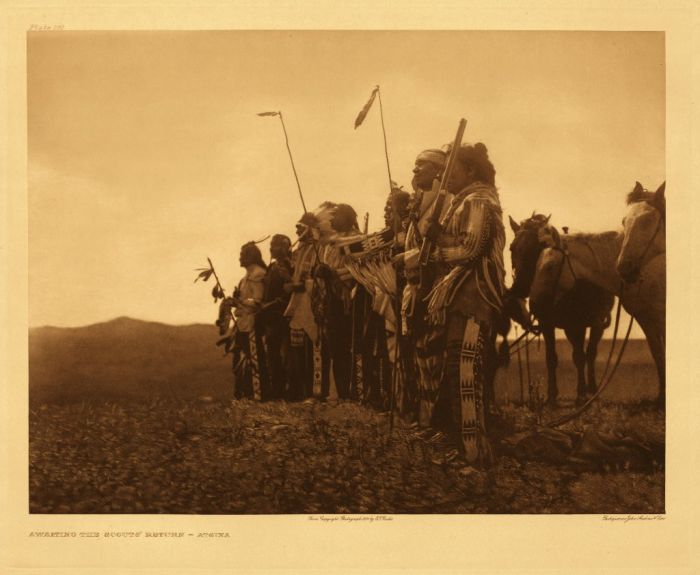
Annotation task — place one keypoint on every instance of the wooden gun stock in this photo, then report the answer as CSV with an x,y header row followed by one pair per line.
x,y
427,245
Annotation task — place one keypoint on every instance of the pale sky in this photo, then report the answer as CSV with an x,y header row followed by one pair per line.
x,y
146,154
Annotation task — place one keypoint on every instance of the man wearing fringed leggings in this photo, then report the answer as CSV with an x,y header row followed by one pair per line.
x,y
464,305
426,356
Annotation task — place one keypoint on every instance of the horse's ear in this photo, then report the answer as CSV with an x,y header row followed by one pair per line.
x,y
638,188
514,225
659,194
546,221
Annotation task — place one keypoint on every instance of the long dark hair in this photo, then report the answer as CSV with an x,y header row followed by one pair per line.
x,y
476,157
253,254
344,219
278,238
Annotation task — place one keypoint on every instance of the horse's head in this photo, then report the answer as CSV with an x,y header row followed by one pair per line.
x,y
644,231
553,277
544,285
524,251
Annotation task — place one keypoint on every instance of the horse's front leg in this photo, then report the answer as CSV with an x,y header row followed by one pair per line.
x,y
594,338
576,336
655,340
551,358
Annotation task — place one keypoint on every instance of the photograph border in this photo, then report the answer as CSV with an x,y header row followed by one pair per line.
x,y
481,544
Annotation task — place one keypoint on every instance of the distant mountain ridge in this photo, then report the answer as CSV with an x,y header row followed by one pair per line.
x,y
122,321
126,357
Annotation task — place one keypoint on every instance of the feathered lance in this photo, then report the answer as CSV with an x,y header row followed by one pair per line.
x,y
376,93
317,360
291,159
218,293
204,275
286,141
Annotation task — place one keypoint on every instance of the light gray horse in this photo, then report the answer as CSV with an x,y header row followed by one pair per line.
x,y
594,258
644,231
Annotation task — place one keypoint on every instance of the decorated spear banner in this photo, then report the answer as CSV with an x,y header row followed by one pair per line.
x,y
289,151
316,344
376,94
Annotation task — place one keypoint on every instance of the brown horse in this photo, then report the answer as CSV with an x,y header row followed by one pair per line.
x,y
593,257
585,306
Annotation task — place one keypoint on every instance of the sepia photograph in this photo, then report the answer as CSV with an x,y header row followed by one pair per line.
x,y
345,272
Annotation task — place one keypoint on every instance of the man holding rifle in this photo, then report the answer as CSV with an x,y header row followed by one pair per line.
x,y
462,283
428,352
429,164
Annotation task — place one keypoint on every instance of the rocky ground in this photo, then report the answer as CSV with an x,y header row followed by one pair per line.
x,y
214,457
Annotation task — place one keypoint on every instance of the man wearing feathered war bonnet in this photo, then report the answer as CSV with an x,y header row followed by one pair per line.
x,y
319,308
464,305
305,343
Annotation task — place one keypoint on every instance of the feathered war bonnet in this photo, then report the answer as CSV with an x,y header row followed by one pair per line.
x,y
318,222
327,220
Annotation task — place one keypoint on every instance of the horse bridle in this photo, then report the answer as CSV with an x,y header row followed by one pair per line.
x,y
662,219
568,417
565,259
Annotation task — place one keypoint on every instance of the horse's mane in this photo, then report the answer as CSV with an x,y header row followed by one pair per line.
x,y
534,222
585,236
654,199
637,195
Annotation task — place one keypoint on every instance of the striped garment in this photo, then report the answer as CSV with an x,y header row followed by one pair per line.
x,y
470,247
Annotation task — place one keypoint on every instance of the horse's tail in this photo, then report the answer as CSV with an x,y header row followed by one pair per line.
x,y
503,354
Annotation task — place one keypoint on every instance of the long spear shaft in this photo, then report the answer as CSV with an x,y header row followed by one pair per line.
x,y
294,169
386,149
397,311
296,177
520,373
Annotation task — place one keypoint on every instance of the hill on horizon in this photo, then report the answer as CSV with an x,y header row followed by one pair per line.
x,y
126,358
127,322
123,321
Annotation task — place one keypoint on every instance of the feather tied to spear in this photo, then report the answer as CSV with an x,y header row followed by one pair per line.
x,y
365,110
204,274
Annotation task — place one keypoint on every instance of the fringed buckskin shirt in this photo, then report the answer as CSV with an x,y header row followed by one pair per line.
x,y
469,257
251,294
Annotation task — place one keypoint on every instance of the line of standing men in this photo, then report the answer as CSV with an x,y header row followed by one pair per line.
x,y
327,306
